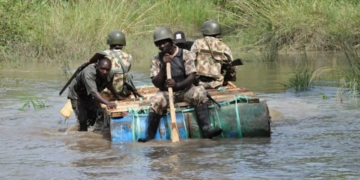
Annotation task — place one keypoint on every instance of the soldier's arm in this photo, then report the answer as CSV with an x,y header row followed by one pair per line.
x,y
190,71
130,62
187,82
159,79
110,87
157,73
194,49
98,97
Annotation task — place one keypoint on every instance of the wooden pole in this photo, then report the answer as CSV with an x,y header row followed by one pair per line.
x,y
174,128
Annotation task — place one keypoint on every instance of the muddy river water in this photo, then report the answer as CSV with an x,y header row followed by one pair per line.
x,y
312,137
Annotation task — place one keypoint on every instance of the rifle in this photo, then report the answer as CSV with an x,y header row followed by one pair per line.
x,y
237,62
212,99
80,68
131,87
230,74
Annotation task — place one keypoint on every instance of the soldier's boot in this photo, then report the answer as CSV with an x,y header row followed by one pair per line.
x,y
203,120
83,126
153,121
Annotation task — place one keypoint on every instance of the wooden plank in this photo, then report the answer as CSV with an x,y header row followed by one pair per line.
x,y
151,91
144,102
137,105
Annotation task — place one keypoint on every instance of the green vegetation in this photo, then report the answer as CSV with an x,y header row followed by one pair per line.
x,y
348,72
73,30
323,96
36,102
67,30
299,79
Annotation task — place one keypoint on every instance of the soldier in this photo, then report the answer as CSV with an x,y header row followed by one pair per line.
x,y
181,42
121,64
213,57
84,92
183,74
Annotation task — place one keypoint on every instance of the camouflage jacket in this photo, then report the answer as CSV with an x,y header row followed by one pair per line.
x,y
211,54
119,77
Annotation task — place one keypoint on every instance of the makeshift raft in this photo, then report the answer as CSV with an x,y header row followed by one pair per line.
x,y
242,114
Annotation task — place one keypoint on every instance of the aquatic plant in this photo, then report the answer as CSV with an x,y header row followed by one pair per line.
x,y
36,102
348,72
299,81
323,96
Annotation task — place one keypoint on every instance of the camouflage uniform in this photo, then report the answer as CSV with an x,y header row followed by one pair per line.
x,y
195,95
210,54
116,68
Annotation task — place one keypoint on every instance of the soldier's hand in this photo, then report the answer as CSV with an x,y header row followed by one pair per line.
x,y
167,58
117,97
138,94
111,105
171,83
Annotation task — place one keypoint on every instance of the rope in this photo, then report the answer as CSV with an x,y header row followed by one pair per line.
x,y
218,118
240,97
138,123
135,125
186,131
221,89
132,125
136,130
167,119
238,117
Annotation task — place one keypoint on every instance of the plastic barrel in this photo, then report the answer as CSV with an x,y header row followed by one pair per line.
x,y
236,119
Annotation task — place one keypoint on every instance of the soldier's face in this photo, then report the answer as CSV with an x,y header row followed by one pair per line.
x,y
164,45
103,69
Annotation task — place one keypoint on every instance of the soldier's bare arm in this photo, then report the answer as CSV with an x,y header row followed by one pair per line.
x,y
186,83
98,97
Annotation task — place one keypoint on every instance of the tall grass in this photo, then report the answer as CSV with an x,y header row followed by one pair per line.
x,y
348,70
299,79
293,25
62,30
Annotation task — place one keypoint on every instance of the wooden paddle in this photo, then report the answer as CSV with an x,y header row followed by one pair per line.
x,y
174,128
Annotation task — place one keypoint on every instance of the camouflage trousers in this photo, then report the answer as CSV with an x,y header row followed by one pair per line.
x,y
212,84
195,96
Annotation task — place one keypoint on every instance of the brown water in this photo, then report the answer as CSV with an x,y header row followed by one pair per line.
x,y
312,138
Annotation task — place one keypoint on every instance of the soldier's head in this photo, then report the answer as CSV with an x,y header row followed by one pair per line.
x,y
103,67
164,39
211,28
179,38
116,39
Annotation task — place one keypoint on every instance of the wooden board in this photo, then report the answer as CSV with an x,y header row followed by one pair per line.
x,y
219,96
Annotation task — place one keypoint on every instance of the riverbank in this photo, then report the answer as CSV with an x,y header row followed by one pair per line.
x,y
63,31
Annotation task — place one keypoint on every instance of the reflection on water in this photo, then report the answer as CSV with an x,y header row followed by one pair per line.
x,y
311,137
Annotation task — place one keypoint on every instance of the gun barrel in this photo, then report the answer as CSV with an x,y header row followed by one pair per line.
x,y
237,62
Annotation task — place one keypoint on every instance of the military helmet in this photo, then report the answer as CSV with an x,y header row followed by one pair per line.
x,y
211,28
162,33
116,37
